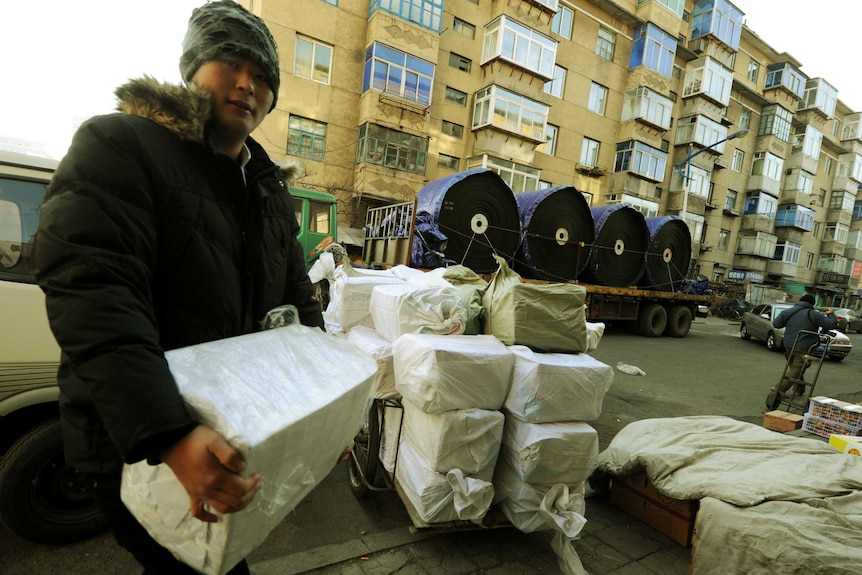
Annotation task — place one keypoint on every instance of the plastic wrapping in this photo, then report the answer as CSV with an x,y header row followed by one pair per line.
x,y
350,297
549,453
408,308
370,342
533,508
549,387
442,497
545,317
443,372
465,439
390,435
289,414
595,331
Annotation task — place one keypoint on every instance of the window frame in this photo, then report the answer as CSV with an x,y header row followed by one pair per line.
x,y
391,148
301,134
315,45
563,21
598,99
606,42
398,68
516,43
557,85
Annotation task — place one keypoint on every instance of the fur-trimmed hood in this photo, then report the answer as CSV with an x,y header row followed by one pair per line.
x,y
184,110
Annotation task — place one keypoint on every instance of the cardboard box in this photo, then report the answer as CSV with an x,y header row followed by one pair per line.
x,y
847,414
782,421
846,444
671,517
826,427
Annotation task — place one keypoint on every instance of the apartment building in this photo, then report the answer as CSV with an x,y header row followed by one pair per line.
x,y
672,106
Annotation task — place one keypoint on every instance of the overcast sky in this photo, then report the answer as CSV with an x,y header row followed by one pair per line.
x,y
62,59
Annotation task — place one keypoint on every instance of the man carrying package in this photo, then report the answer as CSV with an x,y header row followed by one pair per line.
x,y
167,225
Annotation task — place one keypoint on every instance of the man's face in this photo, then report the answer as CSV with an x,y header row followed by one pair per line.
x,y
241,96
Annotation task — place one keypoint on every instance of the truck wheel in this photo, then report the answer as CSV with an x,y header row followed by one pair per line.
x,y
42,498
652,320
678,321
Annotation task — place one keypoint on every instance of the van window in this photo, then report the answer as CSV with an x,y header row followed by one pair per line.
x,y
318,219
19,217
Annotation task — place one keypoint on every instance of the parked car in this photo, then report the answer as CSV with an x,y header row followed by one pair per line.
x,y
757,324
848,319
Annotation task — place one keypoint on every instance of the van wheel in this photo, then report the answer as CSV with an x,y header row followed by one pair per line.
x,y
652,320
42,498
678,321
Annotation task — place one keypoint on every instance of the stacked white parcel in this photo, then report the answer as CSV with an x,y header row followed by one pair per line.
x,y
548,449
442,446
289,414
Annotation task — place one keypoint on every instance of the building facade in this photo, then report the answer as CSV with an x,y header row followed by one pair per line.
x,y
629,101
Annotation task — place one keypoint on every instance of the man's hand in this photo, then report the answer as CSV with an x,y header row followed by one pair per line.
x,y
828,311
209,469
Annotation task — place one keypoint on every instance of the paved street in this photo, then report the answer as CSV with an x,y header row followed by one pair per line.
x,y
711,372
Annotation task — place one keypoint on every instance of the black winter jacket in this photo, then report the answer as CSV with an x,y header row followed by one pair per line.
x,y
803,317
149,241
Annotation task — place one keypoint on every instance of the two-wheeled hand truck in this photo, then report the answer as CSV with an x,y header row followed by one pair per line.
x,y
815,354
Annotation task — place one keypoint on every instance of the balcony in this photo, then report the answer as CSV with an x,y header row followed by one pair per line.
x,y
590,170
832,278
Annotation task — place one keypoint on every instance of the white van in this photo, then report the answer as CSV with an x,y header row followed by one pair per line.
x,y
41,498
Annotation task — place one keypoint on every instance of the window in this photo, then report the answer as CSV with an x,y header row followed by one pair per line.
x,y
709,78
653,48
827,164
394,72
675,6
842,201
391,148
21,204
820,198
807,140
761,244
730,200
744,119
318,217
723,240
456,96
815,232
448,162
851,130
718,18
736,162
598,99
306,138
857,210
760,203
561,23
590,153
550,145
788,252
464,28
799,180
698,183
646,105
605,43
543,185
312,60
425,13
452,129
519,44
832,263
557,86
819,95
460,62
768,165
641,159
791,215
511,112
850,166
753,70
785,75
701,130
332,2
521,178
648,208
809,261
836,232
776,121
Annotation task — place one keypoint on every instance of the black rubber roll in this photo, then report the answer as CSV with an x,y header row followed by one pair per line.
x,y
558,232
478,213
622,237
668,255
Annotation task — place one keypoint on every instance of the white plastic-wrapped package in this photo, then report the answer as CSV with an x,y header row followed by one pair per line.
x,y
440,497
409,308
595,331
548,453
550,387
287,411
369,341
350,297
443,372
465,439
530,508
390,435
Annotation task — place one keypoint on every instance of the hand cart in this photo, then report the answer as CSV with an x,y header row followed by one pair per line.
x,y
366,472
815,354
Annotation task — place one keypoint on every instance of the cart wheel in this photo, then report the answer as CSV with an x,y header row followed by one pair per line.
x,y
363,462
773,400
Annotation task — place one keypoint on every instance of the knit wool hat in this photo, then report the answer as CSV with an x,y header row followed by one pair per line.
x,y
807,298
225,27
